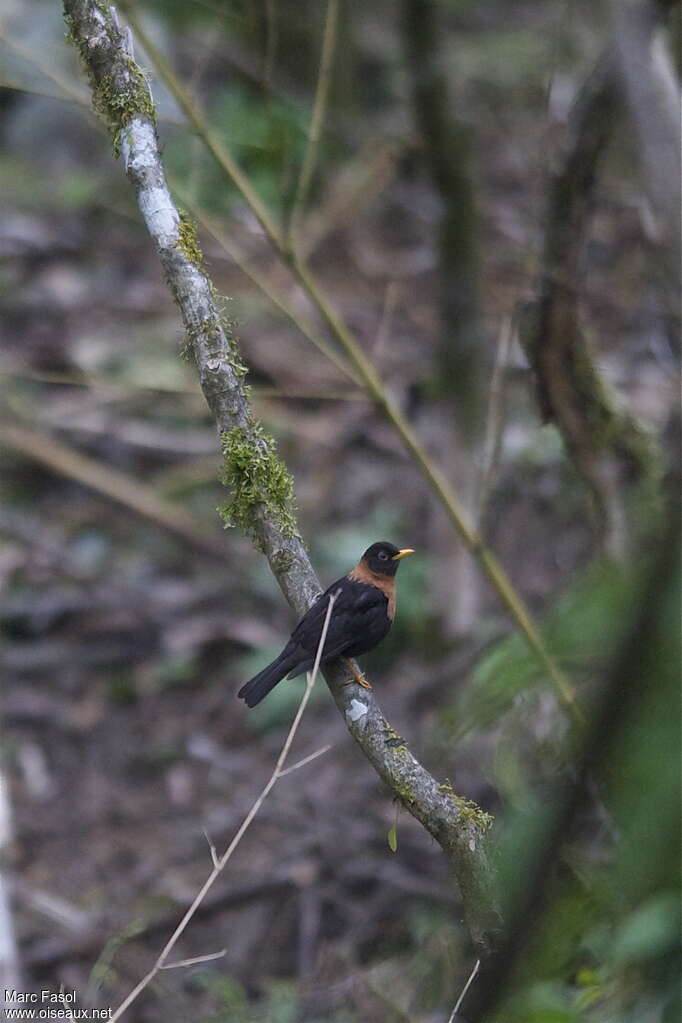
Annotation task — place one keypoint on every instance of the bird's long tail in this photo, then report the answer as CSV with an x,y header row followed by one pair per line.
x,y
257,688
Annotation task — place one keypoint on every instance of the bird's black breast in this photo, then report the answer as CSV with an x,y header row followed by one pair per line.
x,y
373,624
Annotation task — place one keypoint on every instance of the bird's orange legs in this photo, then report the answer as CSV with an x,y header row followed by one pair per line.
x,y
357,675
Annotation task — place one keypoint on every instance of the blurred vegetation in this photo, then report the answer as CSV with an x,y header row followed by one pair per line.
x,y
266,139
122,644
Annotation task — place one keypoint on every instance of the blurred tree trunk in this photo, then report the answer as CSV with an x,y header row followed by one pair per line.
x,y
447,149
616,458
458,376
607,446
651,90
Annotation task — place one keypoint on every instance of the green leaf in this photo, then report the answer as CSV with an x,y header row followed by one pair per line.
x,y
392,838
581,631
650,931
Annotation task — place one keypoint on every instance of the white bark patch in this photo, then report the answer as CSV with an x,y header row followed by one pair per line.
x,y
140,152
160,215
357,710
138,144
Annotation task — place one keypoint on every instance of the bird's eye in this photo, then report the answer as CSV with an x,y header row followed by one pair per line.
x,y
383,555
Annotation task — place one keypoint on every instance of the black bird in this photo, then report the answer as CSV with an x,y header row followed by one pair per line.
x,y
363,612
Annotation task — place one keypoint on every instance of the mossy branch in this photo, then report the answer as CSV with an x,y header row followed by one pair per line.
x,y
262,499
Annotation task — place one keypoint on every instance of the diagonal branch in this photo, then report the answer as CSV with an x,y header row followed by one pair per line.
x,y
262,486
319,110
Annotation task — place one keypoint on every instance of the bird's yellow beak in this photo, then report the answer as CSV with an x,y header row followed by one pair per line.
x,y
402,554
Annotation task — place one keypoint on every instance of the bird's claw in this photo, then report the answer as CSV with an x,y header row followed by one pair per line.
x,y
357,676
360,680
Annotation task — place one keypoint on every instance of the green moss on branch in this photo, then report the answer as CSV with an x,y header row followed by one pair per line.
x,y
259,482
120,90
469,811
188,240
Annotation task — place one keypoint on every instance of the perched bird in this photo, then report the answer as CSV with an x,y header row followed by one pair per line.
x,y
363,611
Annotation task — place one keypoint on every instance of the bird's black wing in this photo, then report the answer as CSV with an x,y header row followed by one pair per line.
x,y
358,606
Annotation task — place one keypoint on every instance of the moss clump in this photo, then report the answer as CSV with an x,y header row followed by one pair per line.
x,y
403,793
469,811
188,242
472,813
446,789
120,97
120,92
258,480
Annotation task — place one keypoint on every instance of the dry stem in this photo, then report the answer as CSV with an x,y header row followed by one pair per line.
x,y
219,863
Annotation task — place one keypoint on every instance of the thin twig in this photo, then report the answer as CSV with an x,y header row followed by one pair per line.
x,y
208,958
306,760
443,490
71,93
271,35
223,860
494,419
353,189
460,1000
212,848
318,115
390,301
